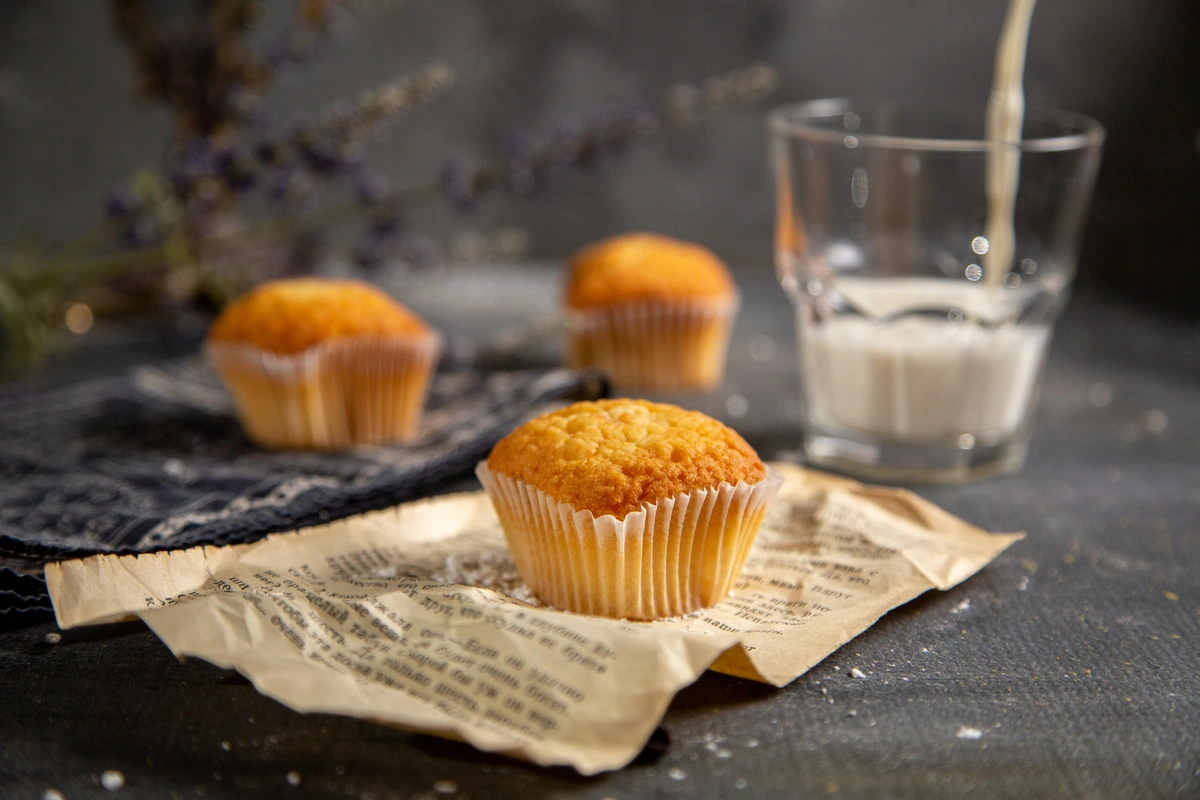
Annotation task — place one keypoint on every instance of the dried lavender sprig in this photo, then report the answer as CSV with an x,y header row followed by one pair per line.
x,y
525,165
687,103
571,145
203,175
525,168
610,132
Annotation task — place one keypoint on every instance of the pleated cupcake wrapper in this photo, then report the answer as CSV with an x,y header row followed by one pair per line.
x,y
673,557
368,390
667,344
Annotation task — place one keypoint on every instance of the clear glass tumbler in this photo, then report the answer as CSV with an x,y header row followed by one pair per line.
x,y
921,354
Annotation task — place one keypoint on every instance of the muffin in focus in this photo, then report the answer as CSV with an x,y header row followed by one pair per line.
x,y
323,364
651,311
626,508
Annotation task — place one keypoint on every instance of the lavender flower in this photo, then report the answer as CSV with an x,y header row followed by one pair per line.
x,y
458,185
370,187
236,169
120,203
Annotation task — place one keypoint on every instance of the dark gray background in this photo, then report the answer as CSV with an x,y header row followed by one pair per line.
x,y
70,129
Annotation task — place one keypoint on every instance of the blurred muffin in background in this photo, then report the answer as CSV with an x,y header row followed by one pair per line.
x,y
651,311
323,364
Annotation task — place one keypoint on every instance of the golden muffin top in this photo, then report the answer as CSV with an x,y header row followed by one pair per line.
x,y
645,266
611,456
290,316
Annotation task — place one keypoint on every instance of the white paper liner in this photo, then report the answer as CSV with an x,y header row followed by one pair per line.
x,y
664,344
671,558
366,390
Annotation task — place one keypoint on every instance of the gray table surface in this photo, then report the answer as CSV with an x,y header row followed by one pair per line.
x,y
1076,655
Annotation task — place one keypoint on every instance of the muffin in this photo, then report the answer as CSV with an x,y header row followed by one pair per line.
x,y
323,364
653,312
626,508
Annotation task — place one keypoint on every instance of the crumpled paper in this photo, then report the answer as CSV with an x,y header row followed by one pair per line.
x,y
415,616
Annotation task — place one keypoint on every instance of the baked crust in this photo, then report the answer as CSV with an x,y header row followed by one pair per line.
x,y
290,316
613,456
645,266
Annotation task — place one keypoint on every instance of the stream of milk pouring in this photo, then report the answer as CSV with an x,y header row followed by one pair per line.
x,y
1006,111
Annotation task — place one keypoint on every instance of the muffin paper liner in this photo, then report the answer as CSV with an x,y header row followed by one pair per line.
x,y
367,390
665,344
671,558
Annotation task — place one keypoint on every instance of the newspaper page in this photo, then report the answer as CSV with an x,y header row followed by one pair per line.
x,y
416,616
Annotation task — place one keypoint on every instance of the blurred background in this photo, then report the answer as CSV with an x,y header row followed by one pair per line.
x,y
72,126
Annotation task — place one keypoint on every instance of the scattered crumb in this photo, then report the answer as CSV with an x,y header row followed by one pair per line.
x,y
445,787
851,713
1024,584
52,638
112,779
52,794
226,746
762,348
1030,566
752,743
676,774
339,769
737,405
961,607
855,672
740,783
1171,596
723,753
969,733
711,747
1100,395
293,778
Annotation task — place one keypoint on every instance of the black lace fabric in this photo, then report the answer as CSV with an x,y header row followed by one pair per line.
x,y
156,460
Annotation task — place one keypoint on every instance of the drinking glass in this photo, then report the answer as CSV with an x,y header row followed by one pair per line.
x,y
921,355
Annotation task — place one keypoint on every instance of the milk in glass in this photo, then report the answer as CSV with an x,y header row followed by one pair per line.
x,y
929,360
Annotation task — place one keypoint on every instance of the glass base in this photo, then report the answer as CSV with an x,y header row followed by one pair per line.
x,y
898,462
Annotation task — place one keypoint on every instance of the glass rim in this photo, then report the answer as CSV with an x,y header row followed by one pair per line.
x,y
795,119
